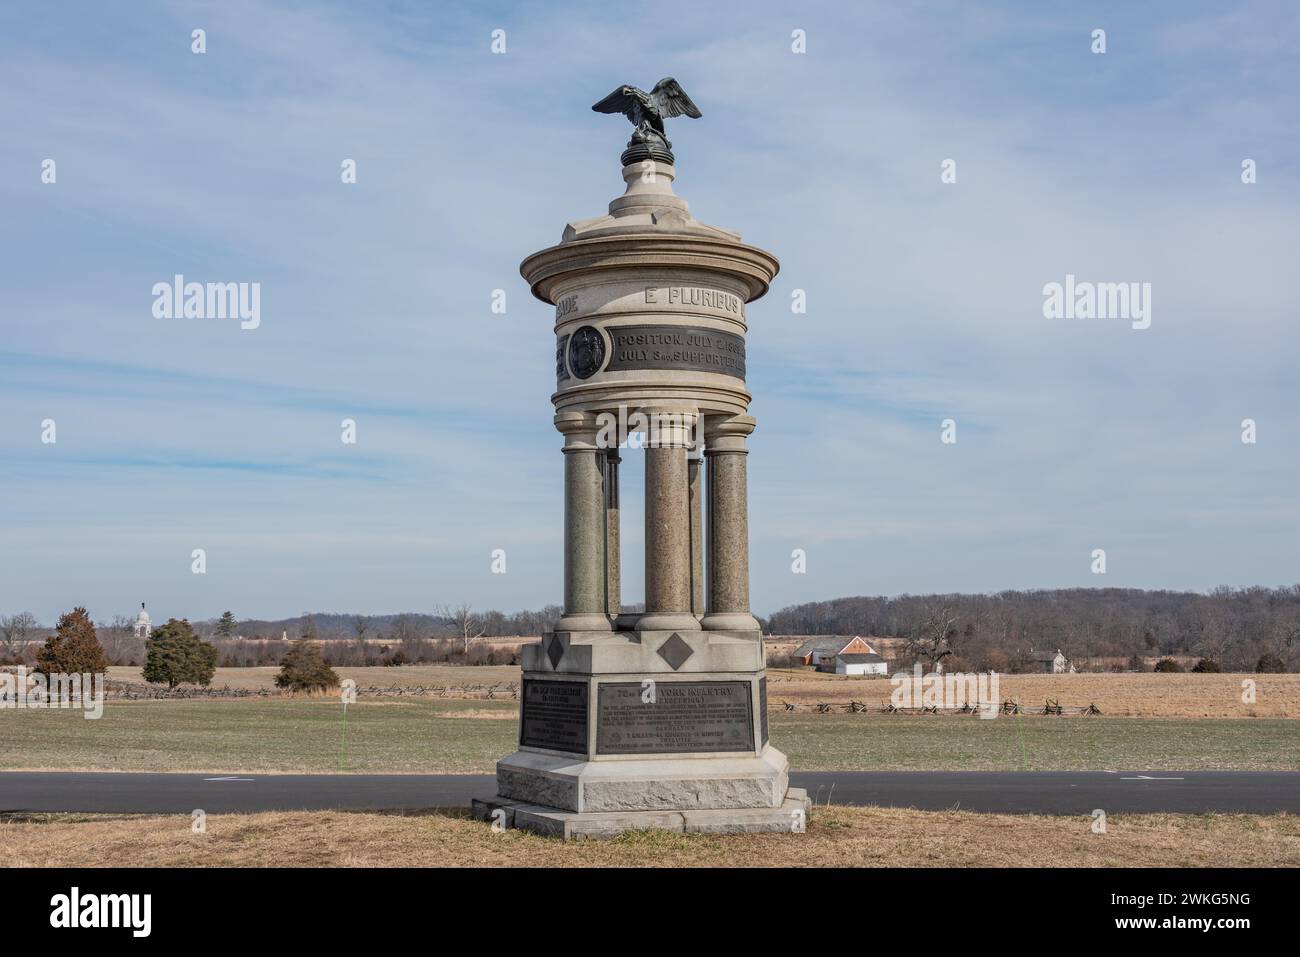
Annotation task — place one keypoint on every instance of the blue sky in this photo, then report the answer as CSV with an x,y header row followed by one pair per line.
x,y
924,298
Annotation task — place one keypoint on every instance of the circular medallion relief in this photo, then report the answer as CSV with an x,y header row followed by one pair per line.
x,y
586,352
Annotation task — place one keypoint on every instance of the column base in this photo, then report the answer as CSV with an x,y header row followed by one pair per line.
x,y
729,621
667,621
584,622
791,817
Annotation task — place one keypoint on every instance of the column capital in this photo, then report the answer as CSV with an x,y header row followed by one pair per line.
x,y
579,430
671,428
727,434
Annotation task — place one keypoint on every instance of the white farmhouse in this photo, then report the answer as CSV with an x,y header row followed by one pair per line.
x,y
859,664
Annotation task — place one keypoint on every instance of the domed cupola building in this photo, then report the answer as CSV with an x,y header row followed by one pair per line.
x,y
143,627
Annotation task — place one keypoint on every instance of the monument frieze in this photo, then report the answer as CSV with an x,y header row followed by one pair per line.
x,y
656,347
687,348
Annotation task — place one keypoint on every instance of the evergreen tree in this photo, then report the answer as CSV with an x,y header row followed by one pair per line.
x,y
304,668
225,625
1270,664
175,655
74,648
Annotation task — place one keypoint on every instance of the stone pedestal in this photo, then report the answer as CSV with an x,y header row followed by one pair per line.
x,y
658,729
655,720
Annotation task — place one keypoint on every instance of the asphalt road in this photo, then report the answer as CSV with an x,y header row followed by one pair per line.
x,y
1010,792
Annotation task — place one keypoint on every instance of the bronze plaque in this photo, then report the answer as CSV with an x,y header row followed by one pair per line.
x,y
679,717
676,347
586,352
553,715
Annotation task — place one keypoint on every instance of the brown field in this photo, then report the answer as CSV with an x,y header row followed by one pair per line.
x,y
263,678
836,837
1117,695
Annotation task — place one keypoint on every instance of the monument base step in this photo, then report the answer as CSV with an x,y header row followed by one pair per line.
x,y
791,817
681,783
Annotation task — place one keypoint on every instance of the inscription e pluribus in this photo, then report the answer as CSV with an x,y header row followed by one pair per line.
x,y
693,296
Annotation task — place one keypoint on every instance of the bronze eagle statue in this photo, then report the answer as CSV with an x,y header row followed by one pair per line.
x,y
647,111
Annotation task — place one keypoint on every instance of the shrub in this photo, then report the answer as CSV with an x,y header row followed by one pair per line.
x,y
1270,664
1169,666
1206,666
175,655
74,648
304,668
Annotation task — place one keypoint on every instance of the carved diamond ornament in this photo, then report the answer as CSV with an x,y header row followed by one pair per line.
x,y
675,651
555,652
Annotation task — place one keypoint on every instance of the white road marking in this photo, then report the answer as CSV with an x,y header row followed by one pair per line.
x,y
228,778
1147,777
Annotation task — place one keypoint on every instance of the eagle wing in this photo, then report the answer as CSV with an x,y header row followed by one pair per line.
x,y
621,100
671,100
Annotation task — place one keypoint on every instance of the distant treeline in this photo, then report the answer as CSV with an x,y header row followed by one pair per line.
x,y
1233,627
330,626
1094,627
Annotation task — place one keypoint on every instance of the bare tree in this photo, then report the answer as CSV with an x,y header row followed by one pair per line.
x,y
15,632
931,637
468,623
360,628
406,632
119,641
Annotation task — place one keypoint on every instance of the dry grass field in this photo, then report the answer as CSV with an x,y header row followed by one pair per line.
x,y
836,837
263,678
1118,695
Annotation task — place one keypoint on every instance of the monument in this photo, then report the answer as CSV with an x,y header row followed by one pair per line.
x,y
659,719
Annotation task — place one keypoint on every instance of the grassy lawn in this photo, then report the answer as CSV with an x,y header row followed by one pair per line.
x,y
451,737
836,837
463,736
1011,743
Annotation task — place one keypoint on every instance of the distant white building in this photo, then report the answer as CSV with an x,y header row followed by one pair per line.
x,y
1048,662
143,626
859,664
841,655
